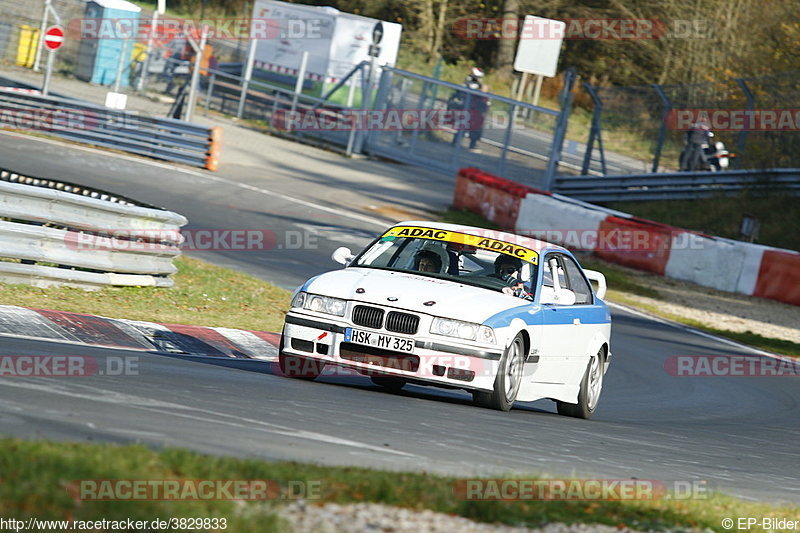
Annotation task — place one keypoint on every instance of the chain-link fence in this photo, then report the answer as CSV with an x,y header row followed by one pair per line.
x,y
756,118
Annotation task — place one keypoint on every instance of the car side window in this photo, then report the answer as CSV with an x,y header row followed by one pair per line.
x,y
576,282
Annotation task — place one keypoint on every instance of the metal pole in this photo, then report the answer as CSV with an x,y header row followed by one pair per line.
x,y
42,28
298,86
351,93
561,130
512,115
538,90
210,91
742,137
48,71
146,66
662,131
120,64
198,58
248,74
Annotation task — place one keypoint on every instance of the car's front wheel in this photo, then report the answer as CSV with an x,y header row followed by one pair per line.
x,y
589,394
508,380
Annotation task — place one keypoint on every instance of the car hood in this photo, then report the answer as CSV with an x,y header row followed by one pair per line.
x,y
381,287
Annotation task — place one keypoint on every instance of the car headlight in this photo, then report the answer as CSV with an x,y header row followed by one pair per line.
x,y
462,330
320,304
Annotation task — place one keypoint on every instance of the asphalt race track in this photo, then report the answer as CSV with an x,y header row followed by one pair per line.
x,y
740,434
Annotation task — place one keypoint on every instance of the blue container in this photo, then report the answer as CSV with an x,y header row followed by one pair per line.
x,y
108,31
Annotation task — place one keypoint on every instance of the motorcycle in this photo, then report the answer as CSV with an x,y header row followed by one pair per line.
x,y
701,154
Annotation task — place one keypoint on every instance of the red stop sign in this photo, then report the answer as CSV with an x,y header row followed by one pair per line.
x,y
54,37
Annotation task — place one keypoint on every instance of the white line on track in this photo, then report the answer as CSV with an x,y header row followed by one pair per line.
x,y
336,211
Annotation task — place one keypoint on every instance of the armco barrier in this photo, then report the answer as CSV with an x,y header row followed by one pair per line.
x,y
709,261
160,138
65,234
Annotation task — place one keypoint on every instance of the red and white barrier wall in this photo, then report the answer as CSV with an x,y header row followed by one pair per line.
x,y
722,264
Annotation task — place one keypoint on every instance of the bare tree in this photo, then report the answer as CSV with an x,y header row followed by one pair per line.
x,y
506,47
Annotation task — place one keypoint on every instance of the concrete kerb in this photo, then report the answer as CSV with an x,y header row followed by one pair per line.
x,y
91,330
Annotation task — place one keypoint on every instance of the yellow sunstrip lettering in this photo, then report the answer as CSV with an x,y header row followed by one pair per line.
x,y
494,245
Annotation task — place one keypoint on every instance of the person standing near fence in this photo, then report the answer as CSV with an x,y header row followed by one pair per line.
x,y
477,106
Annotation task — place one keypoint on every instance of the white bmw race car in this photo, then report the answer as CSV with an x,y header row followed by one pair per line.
x,y
505,317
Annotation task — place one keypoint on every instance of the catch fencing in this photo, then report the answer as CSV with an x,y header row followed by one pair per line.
x,y
640,122
58,233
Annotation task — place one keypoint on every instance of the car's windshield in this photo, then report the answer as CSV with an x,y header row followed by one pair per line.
x,y
464,258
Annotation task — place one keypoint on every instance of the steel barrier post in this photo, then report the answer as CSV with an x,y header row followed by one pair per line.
x,y
561,129
662,131
742,137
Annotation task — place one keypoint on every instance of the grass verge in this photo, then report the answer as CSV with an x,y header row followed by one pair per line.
x,y
722,215
203,295
47,479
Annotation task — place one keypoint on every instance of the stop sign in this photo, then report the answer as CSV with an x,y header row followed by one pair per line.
x,y
54,37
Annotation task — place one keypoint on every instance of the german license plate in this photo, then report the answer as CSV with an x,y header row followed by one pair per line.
x,y
377,340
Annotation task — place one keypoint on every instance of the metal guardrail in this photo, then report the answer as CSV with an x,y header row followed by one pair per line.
x,y
678,185
160,138
54,233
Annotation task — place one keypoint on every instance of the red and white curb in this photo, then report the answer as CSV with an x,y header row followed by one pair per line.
x,y
91,330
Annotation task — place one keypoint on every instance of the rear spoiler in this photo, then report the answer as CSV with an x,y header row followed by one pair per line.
x,y
594,275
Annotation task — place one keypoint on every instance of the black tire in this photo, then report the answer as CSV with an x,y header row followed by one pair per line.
x,y
293,366
389,383
508,380
589,394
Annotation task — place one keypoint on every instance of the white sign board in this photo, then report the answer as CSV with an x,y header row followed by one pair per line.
x,y
335,41
539,46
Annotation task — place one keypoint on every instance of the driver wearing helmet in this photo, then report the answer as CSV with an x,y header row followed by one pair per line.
x,y
509,269
427,261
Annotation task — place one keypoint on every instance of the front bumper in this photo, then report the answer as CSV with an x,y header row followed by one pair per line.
x,y
435,361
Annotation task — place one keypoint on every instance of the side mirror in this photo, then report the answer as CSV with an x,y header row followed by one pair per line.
x,y
598,277
551,296
342,255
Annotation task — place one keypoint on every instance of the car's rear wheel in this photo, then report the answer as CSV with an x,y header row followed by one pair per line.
x,y
589,394
389,383
294,366
508,380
